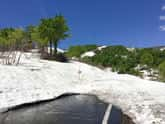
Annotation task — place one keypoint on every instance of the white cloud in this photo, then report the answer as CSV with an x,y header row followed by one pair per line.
x,y
163,8
162,17
162,28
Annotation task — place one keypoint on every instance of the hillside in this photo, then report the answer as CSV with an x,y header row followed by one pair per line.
x,y
36,79
147,63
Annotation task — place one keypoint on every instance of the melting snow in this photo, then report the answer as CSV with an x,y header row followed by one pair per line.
x,y
36,79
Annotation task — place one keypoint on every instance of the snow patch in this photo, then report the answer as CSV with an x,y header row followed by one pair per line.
x,y
88,54
101,47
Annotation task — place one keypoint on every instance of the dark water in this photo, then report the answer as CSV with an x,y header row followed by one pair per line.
x,y
74,109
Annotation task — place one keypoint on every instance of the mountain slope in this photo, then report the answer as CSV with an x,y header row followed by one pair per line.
x,y
36,79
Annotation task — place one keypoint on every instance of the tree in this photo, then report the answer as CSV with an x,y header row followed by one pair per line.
x,y
3,43
61,30
28,32
36,36
46,31
54,29
162,71
5,37
11,40
16,39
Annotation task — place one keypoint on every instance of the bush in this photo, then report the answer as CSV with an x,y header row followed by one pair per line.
x,y
162,71
117,57
60,57
110,56
135,72
157,55
87,59
146,59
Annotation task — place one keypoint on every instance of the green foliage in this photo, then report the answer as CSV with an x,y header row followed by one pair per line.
x,y
117,57
147,59
158,55
36,36
120,59
162,71
50,30
28,32
135,72
111,56
77,51
10,37
54,29
87,59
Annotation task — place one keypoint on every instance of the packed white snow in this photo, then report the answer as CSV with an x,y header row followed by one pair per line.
x,y
36,79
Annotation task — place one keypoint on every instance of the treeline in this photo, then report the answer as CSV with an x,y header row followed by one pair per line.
x,y
11,38
49,31
125,60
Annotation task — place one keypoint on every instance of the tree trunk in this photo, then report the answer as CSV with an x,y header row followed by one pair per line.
x,y
50,45
55,48
42,50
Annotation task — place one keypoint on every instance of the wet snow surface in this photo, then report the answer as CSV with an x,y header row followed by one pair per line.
x,y
36,79
68,109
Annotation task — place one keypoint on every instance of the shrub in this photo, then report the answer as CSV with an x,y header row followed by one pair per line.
x,y
60,57
146,59
162,71
87,59
158,56
135,72
110,56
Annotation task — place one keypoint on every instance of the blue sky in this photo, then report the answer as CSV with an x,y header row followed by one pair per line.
x,y
133,23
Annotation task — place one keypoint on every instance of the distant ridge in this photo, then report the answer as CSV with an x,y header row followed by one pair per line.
x,y
158,47
162,48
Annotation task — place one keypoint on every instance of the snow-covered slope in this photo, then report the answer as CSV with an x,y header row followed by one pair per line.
x,y
36,79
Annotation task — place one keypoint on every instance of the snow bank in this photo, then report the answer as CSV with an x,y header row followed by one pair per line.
x,y
36,79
